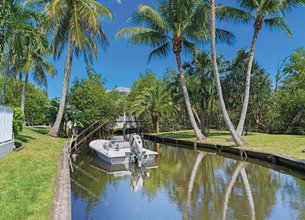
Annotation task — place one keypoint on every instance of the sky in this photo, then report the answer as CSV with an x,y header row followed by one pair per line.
x,y
122,64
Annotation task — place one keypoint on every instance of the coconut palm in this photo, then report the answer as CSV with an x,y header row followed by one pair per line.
x,y
270,14
15,25
77,27
34,61
176,26
154,100
238,141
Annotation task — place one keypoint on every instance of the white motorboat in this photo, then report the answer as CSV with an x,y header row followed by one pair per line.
x,y
113,152
118,151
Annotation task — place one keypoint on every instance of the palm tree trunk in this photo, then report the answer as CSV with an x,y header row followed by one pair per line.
x,y
229,189
248,191
196,115
243,114
294,121
199,157
25,84
238,141
56,127
188,105
203,124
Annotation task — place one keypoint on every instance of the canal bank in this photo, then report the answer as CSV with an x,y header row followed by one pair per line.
x,y
281,161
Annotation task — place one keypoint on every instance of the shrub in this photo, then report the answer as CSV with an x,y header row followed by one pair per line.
x,y
18,121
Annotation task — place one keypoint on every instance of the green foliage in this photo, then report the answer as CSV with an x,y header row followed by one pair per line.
x,y
182,24
291,92
18,121
91,102
36,100
261,96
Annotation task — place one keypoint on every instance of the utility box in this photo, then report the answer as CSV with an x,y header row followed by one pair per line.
x,y
6,131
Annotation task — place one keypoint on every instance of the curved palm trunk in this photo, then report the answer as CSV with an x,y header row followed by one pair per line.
x,y
248,191
238,141
199,157
295,120
23,96
188,105
56,127
229,189
243,114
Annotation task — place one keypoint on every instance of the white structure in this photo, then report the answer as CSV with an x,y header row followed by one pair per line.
x,y
6,131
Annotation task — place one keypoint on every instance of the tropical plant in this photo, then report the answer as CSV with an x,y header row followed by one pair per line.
x,y
261,97
177,26
154,100
89,101
291,92
270,14
77,26
202,87
16,23
34,61
18,121
238,141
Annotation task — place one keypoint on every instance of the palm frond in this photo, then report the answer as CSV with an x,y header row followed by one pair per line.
x,y
278,22
160,52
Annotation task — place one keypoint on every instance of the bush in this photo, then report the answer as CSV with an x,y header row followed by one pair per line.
x,y
18,121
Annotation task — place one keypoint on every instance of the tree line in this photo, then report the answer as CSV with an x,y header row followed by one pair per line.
x,y
31,31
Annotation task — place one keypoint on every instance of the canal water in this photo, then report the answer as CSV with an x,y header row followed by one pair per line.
x,y
184,184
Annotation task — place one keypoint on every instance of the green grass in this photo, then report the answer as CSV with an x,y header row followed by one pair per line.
x,y
288,145
28,177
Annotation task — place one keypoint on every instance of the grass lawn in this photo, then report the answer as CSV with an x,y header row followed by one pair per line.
x,y
28,177
289,145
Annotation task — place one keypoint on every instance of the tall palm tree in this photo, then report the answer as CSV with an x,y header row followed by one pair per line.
x,y
77,26
270,14
238,141
176,26
34,61
16,23
154,100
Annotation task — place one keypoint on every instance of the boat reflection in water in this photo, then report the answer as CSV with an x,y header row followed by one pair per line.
x,y
137,174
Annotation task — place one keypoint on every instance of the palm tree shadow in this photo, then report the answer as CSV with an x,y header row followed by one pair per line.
x,y
24,138
42,131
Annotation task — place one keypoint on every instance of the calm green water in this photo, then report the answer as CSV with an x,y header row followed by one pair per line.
x,y
184,184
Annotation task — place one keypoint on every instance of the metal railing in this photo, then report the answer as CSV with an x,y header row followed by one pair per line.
x,y
98,129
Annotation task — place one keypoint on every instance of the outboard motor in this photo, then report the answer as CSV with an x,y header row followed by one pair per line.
x,y
136,147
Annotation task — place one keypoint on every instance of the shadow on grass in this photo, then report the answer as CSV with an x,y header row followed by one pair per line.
x,y
18,144
24,138
40,130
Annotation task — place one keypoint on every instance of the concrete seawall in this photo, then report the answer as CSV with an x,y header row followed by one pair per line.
x,y
267,159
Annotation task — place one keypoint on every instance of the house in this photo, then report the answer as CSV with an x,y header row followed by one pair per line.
x,y
6,131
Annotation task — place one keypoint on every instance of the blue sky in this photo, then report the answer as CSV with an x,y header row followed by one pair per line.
x,y
121,64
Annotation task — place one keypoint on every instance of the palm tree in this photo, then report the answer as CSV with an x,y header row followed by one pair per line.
x,y
270,14
15,25
37,47
154,100
77,26
238,141
176,26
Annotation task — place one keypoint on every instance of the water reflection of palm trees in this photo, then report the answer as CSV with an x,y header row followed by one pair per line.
x,y
198,159
240,169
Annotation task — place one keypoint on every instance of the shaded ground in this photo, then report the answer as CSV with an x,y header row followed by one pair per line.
x,y
289,145
27,177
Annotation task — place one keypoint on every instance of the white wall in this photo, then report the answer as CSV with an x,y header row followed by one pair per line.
x,y
6,124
